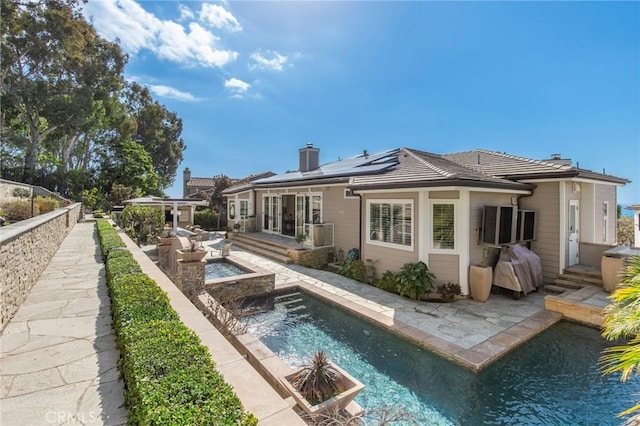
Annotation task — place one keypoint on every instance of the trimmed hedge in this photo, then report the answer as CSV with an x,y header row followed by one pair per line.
x,y
169,375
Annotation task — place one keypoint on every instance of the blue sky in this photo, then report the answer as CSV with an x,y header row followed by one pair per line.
x,y
255,81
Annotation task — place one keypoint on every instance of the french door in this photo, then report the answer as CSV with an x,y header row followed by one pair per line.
x,y
272,215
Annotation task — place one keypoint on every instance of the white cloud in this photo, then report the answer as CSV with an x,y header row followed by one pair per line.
x,y
185,12
277,62
219,17
236,87
138,29
172,93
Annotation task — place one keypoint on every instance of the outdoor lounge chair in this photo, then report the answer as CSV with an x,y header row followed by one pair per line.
x,y
224,251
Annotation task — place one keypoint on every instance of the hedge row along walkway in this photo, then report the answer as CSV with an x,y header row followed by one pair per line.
x,y
58,353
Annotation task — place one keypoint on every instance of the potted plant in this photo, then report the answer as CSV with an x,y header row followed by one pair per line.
x,y
320,386
166,237
300,238
237,226
194,253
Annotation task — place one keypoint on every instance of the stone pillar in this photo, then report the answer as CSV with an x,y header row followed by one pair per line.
x,y
190,276
163,256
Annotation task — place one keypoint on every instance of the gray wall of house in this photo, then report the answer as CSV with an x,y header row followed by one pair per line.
x,y
445,267
545,201
604,193
344,214
391,259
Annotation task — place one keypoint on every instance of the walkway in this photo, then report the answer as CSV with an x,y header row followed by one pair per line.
x,y
58,353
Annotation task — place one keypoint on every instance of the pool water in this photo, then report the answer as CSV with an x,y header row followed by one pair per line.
x,y
221,269
551,380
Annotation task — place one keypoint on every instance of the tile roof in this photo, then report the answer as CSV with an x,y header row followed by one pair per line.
x,y
419,168
200,182
509,166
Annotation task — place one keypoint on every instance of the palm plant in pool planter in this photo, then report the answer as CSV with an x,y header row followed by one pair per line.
x,y
320,386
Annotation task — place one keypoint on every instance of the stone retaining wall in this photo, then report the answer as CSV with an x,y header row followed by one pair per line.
x,y
26,248
311,258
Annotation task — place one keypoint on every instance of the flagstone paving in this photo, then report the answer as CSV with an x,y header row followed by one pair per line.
x,y
58,354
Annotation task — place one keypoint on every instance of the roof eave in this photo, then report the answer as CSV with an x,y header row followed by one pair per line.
x,y
444,182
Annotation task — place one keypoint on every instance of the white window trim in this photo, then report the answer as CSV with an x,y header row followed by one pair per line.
x,y
385,244
456,232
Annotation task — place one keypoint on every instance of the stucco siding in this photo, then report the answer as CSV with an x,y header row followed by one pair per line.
x,y
344,214
445,268
545,201
603,193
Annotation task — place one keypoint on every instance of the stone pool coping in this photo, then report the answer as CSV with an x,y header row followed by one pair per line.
x,y
256,280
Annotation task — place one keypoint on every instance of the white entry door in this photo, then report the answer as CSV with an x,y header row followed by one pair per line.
x,y
574,231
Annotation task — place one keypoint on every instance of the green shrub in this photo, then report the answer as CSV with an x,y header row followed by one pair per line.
x,y
109,238
19,210
387,282
46,205
142,222
169,375
207,219
415,279
354,269
21,193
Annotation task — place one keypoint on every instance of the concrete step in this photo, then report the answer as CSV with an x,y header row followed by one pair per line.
x,y
589,271
582,279
261,244
266,252
567,283
260,241
550,288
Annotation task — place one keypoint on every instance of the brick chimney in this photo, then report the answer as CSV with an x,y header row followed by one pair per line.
x,y
309,158
186,177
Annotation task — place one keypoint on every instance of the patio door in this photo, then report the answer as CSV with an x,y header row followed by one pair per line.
x,y
574,231
244,214
271,209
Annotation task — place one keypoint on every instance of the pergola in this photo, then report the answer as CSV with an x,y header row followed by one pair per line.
x,y
174,203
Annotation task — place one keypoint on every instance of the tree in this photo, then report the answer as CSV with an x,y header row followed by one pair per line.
x,y
622,320
157,130
54,69
221,183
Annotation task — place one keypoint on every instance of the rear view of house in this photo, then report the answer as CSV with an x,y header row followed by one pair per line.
x,y
450,211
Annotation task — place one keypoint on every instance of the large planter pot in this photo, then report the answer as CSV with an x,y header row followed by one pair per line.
x,y
191,256
480,280
165,241
338,402
611,268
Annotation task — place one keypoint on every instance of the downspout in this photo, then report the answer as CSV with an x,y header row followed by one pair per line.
x,y
533,189
361,225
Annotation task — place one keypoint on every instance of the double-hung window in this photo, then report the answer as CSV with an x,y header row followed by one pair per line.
x,y
443,226
390,222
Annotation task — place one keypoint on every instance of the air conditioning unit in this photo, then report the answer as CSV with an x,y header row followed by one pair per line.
x,y
498,225
526,225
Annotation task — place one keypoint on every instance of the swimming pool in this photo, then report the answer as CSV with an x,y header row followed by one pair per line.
x,y
553,379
